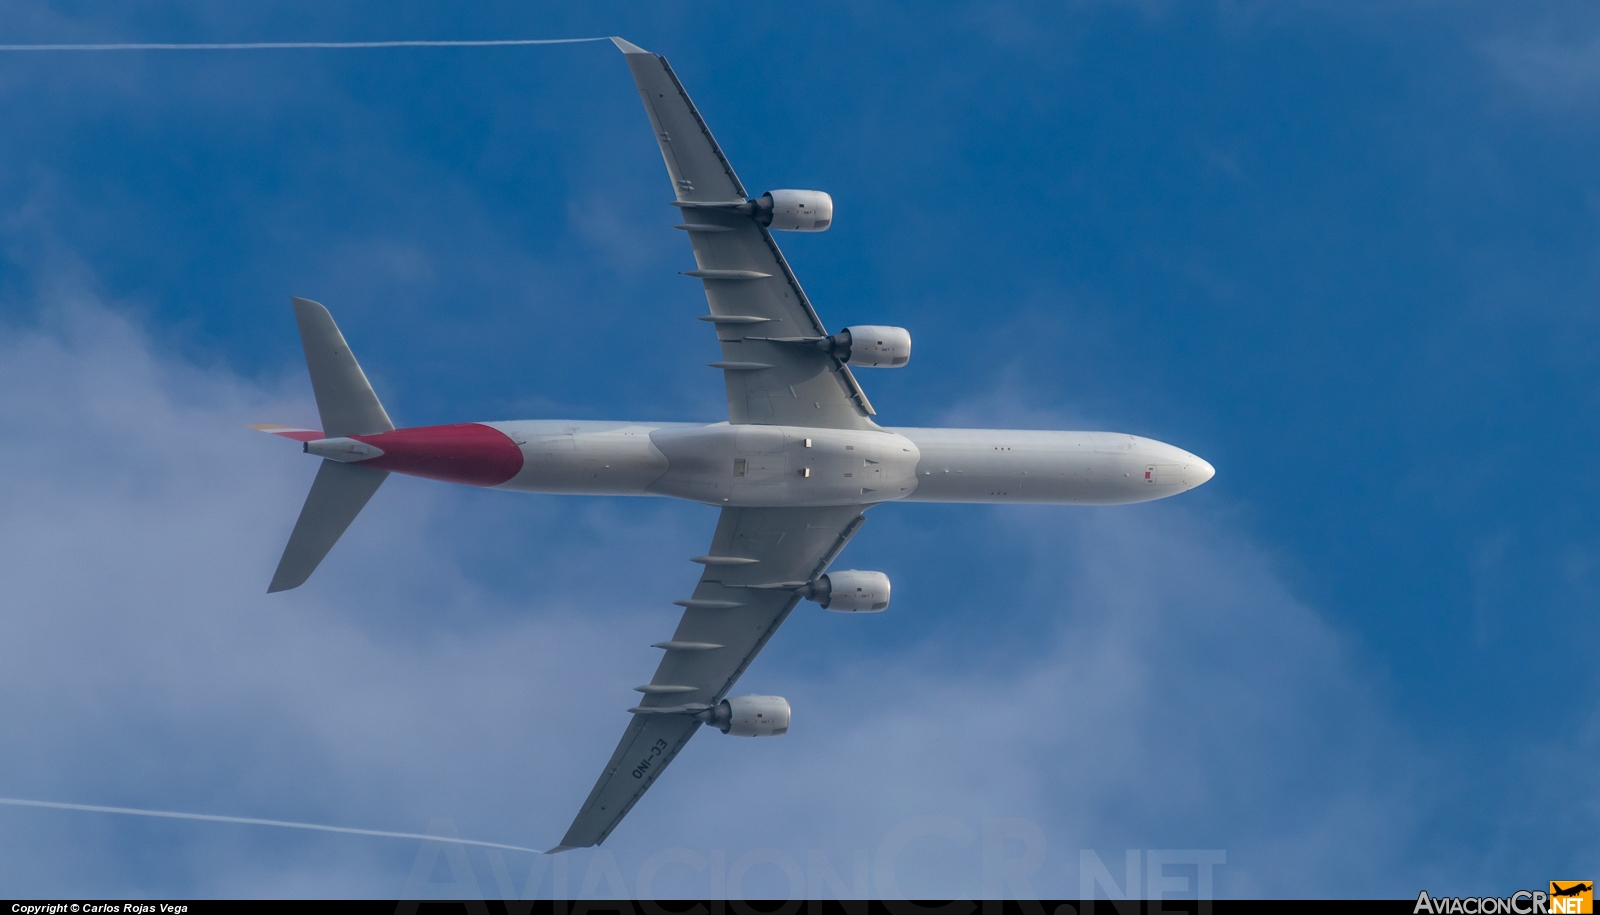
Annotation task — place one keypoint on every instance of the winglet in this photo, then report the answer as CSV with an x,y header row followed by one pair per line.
x,y
628,47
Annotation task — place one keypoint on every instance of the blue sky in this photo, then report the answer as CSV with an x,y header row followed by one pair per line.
x,y
1346,252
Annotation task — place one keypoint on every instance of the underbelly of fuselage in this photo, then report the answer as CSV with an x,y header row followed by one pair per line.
x,y
755,465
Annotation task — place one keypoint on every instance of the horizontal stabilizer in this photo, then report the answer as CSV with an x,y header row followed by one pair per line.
x,y
337,496
344,396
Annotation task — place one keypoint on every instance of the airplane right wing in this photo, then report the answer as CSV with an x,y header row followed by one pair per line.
x,y
758,558
751,291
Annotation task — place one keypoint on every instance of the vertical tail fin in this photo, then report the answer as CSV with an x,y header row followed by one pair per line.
x,y
348,407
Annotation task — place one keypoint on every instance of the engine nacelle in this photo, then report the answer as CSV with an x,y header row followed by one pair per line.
x,y
749,716
794,211
851,591
872,346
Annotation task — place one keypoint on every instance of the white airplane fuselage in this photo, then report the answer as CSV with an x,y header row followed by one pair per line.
x,y
771,466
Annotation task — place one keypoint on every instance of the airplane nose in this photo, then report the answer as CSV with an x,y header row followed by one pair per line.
x,y
1169,470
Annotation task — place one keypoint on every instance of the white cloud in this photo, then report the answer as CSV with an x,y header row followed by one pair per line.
x,y
1554,66
143,663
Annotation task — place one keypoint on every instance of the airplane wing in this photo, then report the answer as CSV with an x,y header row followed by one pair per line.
x,y
748,284
733,612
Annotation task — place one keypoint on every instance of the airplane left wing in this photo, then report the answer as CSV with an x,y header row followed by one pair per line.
x,y
753,295
759,558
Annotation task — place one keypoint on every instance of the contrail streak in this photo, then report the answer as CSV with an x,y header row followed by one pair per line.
x,y
286,45
251,821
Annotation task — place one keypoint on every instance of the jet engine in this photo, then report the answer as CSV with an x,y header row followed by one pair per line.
x,y
851,591
872,346
794,211
749,716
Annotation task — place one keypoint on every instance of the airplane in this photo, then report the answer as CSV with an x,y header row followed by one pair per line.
x,y
799,461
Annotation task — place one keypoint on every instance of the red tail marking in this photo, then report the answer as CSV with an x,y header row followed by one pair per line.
x,y
469,453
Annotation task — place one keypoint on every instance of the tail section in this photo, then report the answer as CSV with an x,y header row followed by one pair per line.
x,y
348,407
